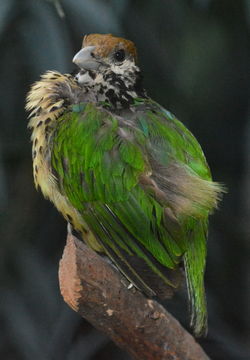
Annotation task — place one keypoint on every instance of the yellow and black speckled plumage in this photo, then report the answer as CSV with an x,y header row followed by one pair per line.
x,y
47,100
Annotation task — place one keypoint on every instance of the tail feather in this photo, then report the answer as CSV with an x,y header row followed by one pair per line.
x,y
194,261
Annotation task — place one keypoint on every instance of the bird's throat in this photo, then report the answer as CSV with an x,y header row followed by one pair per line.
x,y
117,90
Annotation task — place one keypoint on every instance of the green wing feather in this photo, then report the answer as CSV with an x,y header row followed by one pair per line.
x,y
100,158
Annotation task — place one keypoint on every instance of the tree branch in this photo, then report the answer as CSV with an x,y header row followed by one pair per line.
x,y
98,292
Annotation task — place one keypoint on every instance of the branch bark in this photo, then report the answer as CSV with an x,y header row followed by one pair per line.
x,y
98,292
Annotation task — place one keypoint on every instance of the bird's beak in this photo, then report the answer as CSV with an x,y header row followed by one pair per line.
x,y
85,59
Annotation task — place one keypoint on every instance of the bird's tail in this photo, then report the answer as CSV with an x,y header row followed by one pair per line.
x,y
194,261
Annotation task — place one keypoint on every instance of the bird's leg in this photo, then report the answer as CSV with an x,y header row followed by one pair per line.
x,y
69,228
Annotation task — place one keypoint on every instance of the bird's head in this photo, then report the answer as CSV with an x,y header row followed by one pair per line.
x,y
106,52
108,67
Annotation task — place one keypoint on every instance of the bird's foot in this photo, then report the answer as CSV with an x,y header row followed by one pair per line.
x,y
69,228
72,231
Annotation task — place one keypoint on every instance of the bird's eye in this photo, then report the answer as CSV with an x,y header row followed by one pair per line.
x,y
119,55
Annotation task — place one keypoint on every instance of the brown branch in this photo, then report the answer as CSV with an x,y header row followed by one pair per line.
x,y
96,290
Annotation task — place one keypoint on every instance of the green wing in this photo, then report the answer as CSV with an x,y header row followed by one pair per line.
x,y
132,177
174,146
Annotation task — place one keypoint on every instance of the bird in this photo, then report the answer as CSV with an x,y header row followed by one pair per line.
x,y
129,177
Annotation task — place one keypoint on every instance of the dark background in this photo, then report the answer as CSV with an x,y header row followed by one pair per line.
x,y
195,59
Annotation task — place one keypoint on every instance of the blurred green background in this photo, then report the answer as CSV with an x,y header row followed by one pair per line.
x,y
195,59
